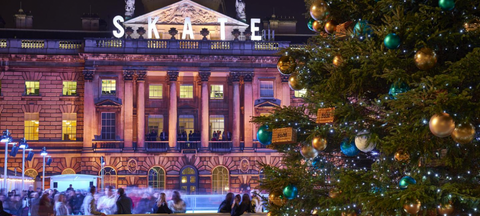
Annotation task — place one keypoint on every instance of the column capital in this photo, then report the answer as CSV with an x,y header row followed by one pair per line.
x,y
88,74
204,75
248,76
284,77
141,75
128,74
172,75
235,76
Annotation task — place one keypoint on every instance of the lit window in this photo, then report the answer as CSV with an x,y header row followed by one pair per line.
x,y
109,87
186,91
266,88
300,93
32,87
186,124
156,178
69,126
217,123
220,180
155,126
155,91
0,87
108,126
69,88
31,126
217,92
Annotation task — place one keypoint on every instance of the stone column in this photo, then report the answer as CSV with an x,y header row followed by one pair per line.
x,y
204,76
141,74
128,105
285,90
235,77
89,108
172,112
248,109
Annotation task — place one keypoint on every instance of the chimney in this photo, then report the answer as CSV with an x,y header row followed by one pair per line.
x,y
23,20
90,21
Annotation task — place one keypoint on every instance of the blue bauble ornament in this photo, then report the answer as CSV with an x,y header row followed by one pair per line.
x,y
398,88
405,181
362,28
318,163
348,148
264,135
310,24
446,5
392,41
290,192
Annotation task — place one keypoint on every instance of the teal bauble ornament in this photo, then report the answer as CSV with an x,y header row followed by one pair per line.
x,y
362,28
392,41
310,24
264,135
348,148
446,5
318,163
290,192
405,181
398,88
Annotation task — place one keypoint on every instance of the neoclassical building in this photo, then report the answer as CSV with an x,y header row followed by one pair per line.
x,y
153,108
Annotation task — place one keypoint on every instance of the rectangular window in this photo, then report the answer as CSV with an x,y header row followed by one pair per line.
x,y
186,91
301,93
186,125
217,123
155,126
109,87
69,126
32,88
0,87
266,88
31,126
108,126
69,88
155,91
217,92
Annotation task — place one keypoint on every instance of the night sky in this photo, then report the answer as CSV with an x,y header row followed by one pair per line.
x,y
65,14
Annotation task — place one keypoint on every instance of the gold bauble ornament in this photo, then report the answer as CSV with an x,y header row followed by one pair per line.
x,y
412,208
317,26
425,59
319,10
295,83
269,214
330,26
286,65
445,209
276,198
463,133
349,214
402,156
441,125
337,60
308,152
319,143
333,193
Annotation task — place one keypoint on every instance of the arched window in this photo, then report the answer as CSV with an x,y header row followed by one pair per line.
x,y
156,178
68,171
32,173
220,177
189,179
109,176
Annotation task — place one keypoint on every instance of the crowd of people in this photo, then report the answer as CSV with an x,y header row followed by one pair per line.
x,y
110,201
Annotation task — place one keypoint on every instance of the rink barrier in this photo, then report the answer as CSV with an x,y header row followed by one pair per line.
x,y
196,214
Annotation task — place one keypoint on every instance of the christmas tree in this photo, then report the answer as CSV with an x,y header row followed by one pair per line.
x,y
390,115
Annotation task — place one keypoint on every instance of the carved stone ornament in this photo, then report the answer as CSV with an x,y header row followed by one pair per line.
x,y
176,15
141,75
172,75
235,76
248,77
284,77
88,75
204,75
244,165
132,165
128,74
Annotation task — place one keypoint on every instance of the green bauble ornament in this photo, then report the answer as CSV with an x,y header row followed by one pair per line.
x,y
264,135
446,5
310,24
290,192
392,41
405,181
398,88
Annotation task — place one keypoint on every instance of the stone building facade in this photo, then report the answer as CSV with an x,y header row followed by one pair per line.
x,y
135,102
